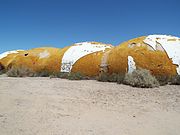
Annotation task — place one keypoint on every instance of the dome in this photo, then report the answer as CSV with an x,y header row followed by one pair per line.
x,y
158,53
7,57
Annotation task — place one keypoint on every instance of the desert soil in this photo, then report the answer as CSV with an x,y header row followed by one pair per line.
x,y
43,106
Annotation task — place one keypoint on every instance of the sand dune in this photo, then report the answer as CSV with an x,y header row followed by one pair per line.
x,y
43,106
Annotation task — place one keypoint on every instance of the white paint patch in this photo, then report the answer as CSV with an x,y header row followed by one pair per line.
x,y
170,44
178,70
5,54
153,39
79,50
131,64
44,54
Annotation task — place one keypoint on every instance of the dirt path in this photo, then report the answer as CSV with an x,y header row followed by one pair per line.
x,y
43,106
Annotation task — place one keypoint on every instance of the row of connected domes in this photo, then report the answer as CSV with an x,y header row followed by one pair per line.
x,y
158,53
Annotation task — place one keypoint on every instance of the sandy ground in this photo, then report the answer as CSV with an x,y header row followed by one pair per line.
x,y
43,106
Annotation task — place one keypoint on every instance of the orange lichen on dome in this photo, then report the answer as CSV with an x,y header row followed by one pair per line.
x,y
154,53
9,57
117,60
84,57
89,65
154,60
39,59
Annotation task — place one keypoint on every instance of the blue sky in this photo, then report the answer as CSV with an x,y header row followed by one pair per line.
x,y
26,24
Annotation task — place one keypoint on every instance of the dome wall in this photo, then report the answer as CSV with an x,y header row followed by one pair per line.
x,y
144,55
158,53
7,57
84,57
38,59
89,65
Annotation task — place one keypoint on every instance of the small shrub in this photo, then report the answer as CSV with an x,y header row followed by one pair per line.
x,y
2,71
62,75
114,77
53,76
70,76
175,80
43,73
163,80
120,78
103,77
141,78
76,76
20,72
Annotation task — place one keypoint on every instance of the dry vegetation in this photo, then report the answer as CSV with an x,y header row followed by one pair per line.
x,y
2,69
2,72
139,78
175,80
20,72
105,77
70,76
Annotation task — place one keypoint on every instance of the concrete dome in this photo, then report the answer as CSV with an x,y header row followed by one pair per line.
x,y
158,53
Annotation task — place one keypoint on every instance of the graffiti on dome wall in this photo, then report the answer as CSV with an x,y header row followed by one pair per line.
x,y
66,66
